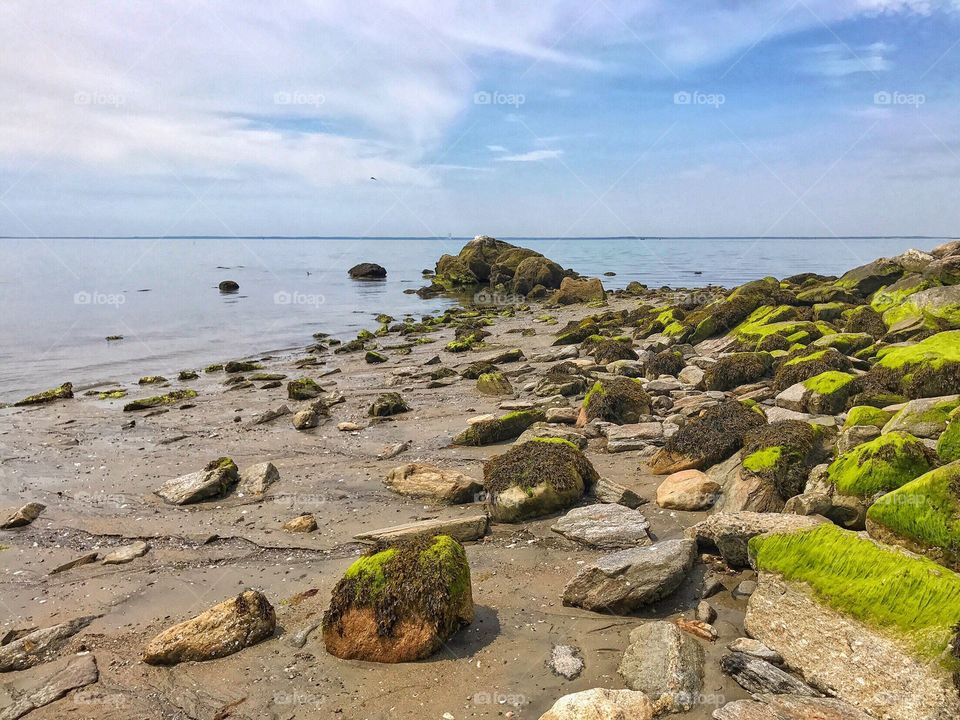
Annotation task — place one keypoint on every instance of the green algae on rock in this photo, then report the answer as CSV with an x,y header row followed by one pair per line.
x,y
924,417
112,394
948,444
63,392
618,400
303,389
152,380
783,453
922,515
736,369
536,478
400,602
506,427
158,400
828,391
807,363
238,366
867,415
494,383
373,357
880,465
388,404
928,368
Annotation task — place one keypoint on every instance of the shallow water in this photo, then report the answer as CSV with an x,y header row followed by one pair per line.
x,y
61,298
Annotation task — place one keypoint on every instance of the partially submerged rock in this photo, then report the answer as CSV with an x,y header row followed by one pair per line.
x,y
432,483
399,603
169,398
536,478
63,392
630,579
214,481
664,663
367,271
222,630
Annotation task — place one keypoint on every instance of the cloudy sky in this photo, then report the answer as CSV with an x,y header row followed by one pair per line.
x,y
549,118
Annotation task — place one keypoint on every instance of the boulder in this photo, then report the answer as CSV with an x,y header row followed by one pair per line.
x,y
826,393
730,532
574,291
687,490
609,491
758,676
401,602
540,431
618,400
936,308
924,417
439,485
494,384
257,479
24,516
214,481
388,404
222,630
664,663
606,527
228,286
867,624
869,278
601,704
880,465
629,579
367,271
303,389
736,369
169,398
498,429
781,455
310,416
636,436
929,368
536,478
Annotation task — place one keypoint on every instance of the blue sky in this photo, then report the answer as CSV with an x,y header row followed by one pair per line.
x,y
513,119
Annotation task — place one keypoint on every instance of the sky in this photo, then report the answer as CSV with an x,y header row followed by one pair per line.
x,y
514,119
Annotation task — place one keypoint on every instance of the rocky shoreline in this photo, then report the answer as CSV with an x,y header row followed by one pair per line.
x,y
556,502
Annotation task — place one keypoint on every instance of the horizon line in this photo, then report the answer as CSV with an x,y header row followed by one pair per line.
x,y
467,238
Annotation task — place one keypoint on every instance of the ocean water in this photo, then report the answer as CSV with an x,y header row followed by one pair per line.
x,y
60,298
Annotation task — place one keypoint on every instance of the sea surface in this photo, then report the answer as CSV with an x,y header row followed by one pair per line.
x,y
61,297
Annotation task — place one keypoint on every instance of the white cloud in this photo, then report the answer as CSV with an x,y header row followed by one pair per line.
x,y
497,148
532,156
837,60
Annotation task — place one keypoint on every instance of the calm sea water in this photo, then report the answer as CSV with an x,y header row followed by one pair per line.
x,y
60,298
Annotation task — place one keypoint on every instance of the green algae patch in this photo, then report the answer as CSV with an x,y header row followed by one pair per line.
x,y
911,598
216,367
829,382
847,343
554,440
783,453
867,415
618,400
948,445
805,364
303,389
764,459
112,395
506,427
158,400
152,380
63,392
923,515
880,465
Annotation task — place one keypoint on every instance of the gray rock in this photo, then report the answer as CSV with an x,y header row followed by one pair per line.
x,y
564,352
705,612
663,385
79,672
39,645
610,491
86,559
464,529
636,436
607,527
545,430
776,414
127,553
789,707
269,415
630,579
627,368
24,516
564,415
730,532
436,484
851,437
601,704
212,482
757,676
915,417
257,478
744,589
755,648
692,375
666,664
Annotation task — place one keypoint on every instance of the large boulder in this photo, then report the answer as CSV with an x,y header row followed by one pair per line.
x,y
880,465
388,404
781,454
222,630
606,527
536,478
729,533
929,368
937,308
826,393
869,278
630,579
574,291
400,602
924,417
873,626
23,516
666,664
488,261
505,427
367,271
432,483
618,400
601,704
214,481
707,440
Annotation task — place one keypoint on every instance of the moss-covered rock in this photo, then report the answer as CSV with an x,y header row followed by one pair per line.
x,y
474,370
708,439
864,319
112,394
808,363
488,261
565,378
63,392
928,368
536,478
925,417
828,392
846,343
618,400
830,311
869,278
880,465
722,316
506,427
400,602
303,389
373,357
948,444
215,367
665,362
867,415
933,310
152,380
238,366
576,333
736,369
537,271
922,515
388,404
494,383
159,400
573,291
783,453
185,375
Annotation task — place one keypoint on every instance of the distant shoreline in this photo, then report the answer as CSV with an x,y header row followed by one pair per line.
x,y
465,238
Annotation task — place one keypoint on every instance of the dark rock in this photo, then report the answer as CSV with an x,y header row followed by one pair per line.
x,y
366,271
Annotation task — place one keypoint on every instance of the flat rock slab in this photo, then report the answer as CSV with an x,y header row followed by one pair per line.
x,y
610,491
127,553
664,663
789,707
730,532
544,430
433,483
472,527
757,676
638,436
38,646
196,486
80,671
75,563
607,527
629,579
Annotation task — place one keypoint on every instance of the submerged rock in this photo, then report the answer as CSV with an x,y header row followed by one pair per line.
x,y
536,478
214,481
367,271
664,663
400,602
629,579
222,630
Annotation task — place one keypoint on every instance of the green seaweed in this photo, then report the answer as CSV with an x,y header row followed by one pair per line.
x,y
880,465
